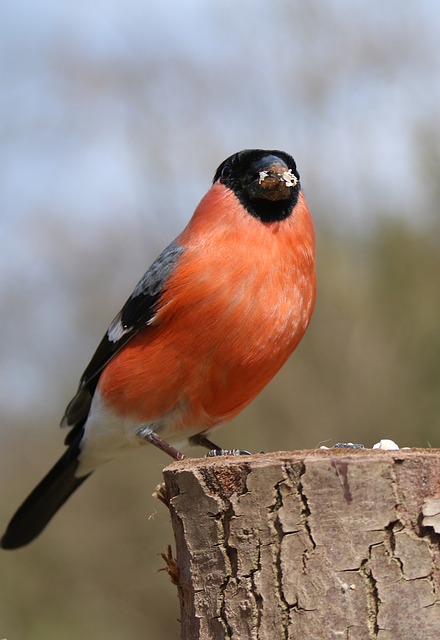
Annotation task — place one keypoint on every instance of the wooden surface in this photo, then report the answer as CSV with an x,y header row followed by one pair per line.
x,y
308,545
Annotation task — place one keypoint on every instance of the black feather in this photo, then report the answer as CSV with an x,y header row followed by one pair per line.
x,y
51,493
44,501
137,312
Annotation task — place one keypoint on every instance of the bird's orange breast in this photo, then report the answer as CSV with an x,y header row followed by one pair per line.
x,y
235,307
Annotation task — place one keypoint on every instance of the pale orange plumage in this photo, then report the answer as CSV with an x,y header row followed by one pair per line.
x,y
237,304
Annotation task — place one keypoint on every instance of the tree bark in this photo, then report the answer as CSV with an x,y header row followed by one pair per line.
x,y
308,545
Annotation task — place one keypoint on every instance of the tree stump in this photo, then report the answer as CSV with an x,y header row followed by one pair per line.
x,y
308,545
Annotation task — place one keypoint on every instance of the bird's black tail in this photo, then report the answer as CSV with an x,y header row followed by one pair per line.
x,y
44,501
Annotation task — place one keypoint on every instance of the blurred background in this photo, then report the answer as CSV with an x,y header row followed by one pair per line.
x,y
113,118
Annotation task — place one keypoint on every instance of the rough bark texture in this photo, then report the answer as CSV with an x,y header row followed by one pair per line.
x,y
308,545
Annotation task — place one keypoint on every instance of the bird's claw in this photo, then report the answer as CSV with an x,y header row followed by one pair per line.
x,y
213,453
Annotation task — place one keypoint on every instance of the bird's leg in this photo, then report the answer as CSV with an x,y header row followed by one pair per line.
x,y
202,441
163,445
214,450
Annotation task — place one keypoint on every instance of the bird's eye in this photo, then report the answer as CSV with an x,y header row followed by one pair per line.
x,y
226,172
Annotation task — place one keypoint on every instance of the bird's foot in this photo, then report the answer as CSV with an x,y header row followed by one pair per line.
x,y
213,453
214,450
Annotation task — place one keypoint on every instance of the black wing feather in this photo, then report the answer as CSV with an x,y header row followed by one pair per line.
x,y
62,480
45,500
137,312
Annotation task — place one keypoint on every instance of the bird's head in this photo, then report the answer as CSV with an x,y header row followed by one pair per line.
x,y
265,182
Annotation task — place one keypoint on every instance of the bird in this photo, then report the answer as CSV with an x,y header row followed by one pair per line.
x,y
210,323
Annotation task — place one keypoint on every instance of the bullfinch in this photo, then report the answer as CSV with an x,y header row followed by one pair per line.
x,y
205,329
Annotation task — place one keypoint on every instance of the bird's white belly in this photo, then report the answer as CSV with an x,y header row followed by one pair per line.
x,y
107,435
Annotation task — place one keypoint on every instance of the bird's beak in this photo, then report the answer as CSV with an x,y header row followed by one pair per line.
x,y
273,180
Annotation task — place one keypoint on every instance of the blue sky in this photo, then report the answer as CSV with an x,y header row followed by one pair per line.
x,y
342,89
114,116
